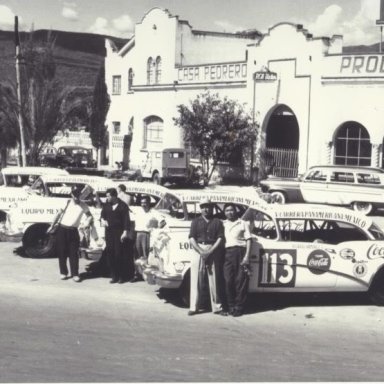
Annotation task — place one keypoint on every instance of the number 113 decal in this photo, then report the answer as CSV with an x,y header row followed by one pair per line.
x,y
277,268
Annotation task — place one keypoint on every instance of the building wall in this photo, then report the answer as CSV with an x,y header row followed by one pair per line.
x,y
322,87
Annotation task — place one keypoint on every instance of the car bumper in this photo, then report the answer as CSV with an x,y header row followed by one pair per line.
x,y
156,277
8,236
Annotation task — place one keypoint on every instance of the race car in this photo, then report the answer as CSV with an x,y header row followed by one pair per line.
x,y
15,183
295,248
178,209
28,221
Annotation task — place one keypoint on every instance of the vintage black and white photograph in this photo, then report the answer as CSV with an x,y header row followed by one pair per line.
x,y
191,191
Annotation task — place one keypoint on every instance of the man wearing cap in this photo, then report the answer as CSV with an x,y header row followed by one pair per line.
x,y
67,237
206,238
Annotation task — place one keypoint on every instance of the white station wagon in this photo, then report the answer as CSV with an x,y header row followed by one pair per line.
x,y
295,248
361,188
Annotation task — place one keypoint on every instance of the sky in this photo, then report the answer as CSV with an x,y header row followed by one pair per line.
x,y
354,19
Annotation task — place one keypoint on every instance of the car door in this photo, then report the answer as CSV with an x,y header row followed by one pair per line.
x,y
299,261
341,188
314,186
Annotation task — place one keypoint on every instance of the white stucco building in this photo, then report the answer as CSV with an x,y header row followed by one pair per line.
x,y
314,104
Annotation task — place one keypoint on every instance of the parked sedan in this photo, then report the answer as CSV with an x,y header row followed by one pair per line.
x,y
361,188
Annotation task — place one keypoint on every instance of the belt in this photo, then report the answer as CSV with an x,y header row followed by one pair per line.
x,y
205,243
234,246
67,226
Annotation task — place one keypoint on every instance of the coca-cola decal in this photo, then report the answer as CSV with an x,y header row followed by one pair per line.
x,y
376,251
318,262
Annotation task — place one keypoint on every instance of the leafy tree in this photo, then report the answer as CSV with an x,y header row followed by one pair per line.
x,y
217,128
99,109
46,104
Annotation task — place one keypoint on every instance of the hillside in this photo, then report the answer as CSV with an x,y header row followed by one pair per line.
x,y
78,55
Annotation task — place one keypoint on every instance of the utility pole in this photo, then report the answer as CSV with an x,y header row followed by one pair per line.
x,y
20,117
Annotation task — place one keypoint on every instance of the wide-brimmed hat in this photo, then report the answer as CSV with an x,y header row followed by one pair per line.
x,y
205,201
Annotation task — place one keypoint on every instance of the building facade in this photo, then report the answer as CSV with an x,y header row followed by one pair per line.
x,y
314,104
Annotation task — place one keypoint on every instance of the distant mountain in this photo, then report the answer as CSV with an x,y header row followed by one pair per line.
x,y
374,48
78,56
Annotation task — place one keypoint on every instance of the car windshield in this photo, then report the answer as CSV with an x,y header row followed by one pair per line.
x,y
376,232
170,204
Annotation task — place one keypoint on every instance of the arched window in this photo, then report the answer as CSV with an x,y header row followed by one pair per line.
x,y
150,65
153,131
352,145
130,79
158,70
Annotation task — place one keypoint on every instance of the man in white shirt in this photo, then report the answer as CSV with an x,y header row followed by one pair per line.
x,y
145,221
236,264
67,237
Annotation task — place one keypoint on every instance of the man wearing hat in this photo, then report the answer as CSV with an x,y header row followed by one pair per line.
x,y
68,240
206,238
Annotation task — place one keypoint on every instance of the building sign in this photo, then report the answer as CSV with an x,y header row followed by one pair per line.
x,y
265,76
213,73
356,66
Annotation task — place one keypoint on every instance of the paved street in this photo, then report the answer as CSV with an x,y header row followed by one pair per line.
x,y
61,331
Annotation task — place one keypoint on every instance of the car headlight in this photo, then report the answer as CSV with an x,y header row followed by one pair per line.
x,y
179,266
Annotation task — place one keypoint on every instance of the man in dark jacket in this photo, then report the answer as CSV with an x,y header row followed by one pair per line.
x,y
115,218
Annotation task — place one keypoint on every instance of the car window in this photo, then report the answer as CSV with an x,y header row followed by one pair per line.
x,y
316,175
376,231
261,224
342,177
319,231
367,178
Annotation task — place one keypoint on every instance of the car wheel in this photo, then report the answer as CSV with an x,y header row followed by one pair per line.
x,y
376,290
362,207
278,197
156,179
184,290
37,243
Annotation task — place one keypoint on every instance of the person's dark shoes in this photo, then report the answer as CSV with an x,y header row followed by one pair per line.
x,y
231,311
192,313
221,313
113,281
121,281
135,279
237,313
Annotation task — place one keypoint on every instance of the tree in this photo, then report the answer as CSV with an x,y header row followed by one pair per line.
x,y
99,110
46,104
217,128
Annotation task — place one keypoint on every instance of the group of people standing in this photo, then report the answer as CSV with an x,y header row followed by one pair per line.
x,y
125,239
219,265
221,262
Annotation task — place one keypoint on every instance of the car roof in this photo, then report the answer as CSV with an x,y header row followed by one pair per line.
x,y
349,167
317,212
221,197
81,179
34,171
148,188
73,147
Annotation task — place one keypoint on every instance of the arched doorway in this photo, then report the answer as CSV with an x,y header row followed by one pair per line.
x,y
352,145
282,142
